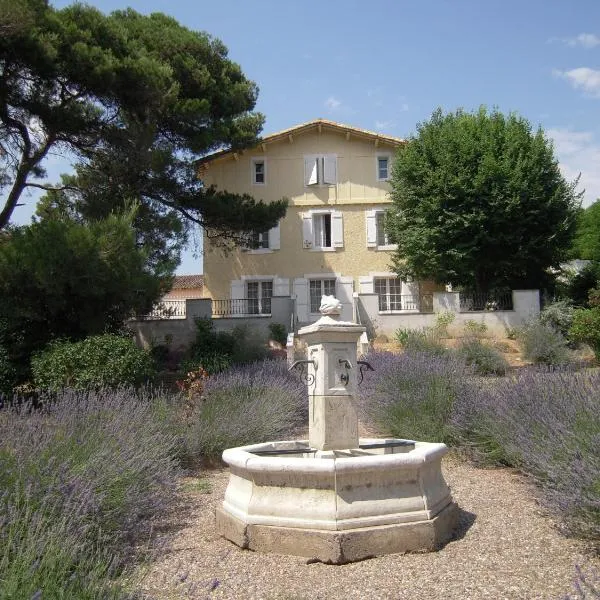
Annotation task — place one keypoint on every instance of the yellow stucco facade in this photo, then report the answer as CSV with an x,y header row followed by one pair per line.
x,y
334,179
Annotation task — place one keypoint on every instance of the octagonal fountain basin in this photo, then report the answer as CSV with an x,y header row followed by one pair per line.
x,y
337,506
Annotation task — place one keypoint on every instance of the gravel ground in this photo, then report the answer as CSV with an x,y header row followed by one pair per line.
x,y
506,548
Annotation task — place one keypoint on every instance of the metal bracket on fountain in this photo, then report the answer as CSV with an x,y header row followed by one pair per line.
x,y
305,376
363,365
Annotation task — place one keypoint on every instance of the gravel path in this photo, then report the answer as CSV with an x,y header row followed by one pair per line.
x,y
506,549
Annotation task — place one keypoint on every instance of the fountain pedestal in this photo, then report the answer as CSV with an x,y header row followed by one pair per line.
x,y
334,497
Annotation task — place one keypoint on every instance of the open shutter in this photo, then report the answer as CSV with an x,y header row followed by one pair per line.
x,y
337,229
281,287
275,238
301,293
330,169
365,284
307,230
371,229
237,290
345,289
311,172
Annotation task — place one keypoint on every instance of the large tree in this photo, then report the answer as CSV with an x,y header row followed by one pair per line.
x,y
586,244
479,202
63,279
137,99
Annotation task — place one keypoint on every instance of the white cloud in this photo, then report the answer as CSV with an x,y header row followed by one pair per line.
x,y
578,152
332,103
582,78
384,125
587,40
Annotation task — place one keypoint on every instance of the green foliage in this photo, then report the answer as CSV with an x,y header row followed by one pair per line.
x,y
138,98
576,286
62,279
278,333
216,351
586,244
474,329
585,327
98,361
542,344
559,316
479,201
7,372
442,321
484,359
426,339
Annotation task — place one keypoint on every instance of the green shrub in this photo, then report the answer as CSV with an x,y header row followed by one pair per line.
x,y
474,329
98,361
216,351
278,333
442,321
559,316
541,344
586,328
7,372
426,340
485,360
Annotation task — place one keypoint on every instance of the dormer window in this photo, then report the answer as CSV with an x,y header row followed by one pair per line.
x,y
259,171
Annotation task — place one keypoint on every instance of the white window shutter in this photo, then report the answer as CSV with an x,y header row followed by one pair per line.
x,y
307,230
281,286
371,228
237,290
311,173
330,170
345,289
365,284
337,229
301,293
275,238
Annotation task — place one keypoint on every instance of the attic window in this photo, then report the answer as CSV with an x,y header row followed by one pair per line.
x,y
383,167
320,169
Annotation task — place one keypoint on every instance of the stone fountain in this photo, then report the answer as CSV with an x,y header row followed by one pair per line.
x,y
336,498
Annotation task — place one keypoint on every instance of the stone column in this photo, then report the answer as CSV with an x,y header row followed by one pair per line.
x,y
333,417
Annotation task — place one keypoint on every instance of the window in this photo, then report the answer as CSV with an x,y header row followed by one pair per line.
x,y
389,291
320,169
384,238
259,294
259,171
377,234
323,230
318,288
383,167
260,240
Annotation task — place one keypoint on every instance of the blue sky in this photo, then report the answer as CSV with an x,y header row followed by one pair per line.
x,y
387,64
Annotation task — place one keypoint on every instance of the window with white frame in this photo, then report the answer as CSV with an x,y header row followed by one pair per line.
x,y
383,167
259,171
378,235
320,169
260,240
323,230
318,288
258,295
389,292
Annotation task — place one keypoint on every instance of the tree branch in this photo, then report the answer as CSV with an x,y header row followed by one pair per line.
x,y
52,188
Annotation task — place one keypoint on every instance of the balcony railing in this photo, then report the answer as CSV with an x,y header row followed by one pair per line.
x,y
403,302
167,309
473,302
241,307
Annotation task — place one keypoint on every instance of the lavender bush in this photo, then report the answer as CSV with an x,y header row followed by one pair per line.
x,y
411,395
79,478
548,425
246,404
587,585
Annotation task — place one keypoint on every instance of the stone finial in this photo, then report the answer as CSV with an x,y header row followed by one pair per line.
x,y
330,305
